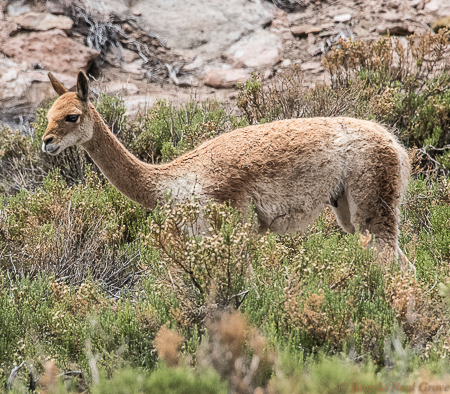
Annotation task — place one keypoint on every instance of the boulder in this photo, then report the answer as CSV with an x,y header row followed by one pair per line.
x,y
391,17
202,28
302,31
52,49
23,90
41,21
342,18
17,8
260,49
396,30
440,7
220,78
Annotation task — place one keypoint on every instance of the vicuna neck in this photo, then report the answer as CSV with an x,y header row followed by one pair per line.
x,y
132,177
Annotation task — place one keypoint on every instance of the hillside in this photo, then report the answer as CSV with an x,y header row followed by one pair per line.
x,y
147,50
100,295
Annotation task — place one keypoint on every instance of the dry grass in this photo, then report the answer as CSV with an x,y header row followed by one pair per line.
x,y
288,97
425,55
238,352
167,343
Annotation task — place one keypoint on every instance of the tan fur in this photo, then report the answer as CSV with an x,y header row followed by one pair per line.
x,y
290,169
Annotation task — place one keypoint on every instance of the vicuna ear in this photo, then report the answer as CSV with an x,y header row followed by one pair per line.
x,y
82,86
58,86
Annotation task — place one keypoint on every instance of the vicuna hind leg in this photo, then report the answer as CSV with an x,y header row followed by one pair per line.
x,y
378,216
342,213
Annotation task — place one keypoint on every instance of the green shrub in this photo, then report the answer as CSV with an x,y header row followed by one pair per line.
x,y
287,97
20,164
406,88
165,132
60,230
44,317
204,268
112,109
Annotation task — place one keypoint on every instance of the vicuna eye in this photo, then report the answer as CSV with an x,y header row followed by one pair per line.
x,y
72,118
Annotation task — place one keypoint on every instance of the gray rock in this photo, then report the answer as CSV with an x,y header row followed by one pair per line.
x,y
391,17
17,8
261,49
440,7
203,28
38,21
303,30
220,78
52,49
342,18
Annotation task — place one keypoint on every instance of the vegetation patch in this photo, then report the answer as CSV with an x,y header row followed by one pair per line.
x,y
101,295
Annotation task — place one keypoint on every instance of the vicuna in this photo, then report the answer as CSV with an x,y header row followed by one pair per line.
x,y
290,169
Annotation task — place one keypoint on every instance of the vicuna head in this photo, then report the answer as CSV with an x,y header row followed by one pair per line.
x,y
69,119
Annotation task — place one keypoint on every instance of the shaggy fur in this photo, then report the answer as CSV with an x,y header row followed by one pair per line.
x,y
290,169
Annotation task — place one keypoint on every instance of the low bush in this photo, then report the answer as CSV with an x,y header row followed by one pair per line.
x,y
407,88
99,294
165,132
288,97
63,230
202,269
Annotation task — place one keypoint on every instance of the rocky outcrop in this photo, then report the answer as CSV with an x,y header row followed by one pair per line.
x,y
220,78
440,7
259,50
51,50
22,90
38,21
202,29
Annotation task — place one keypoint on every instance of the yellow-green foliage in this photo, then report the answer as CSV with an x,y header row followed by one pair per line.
x,y
112,109
143,301
405,87
164,132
